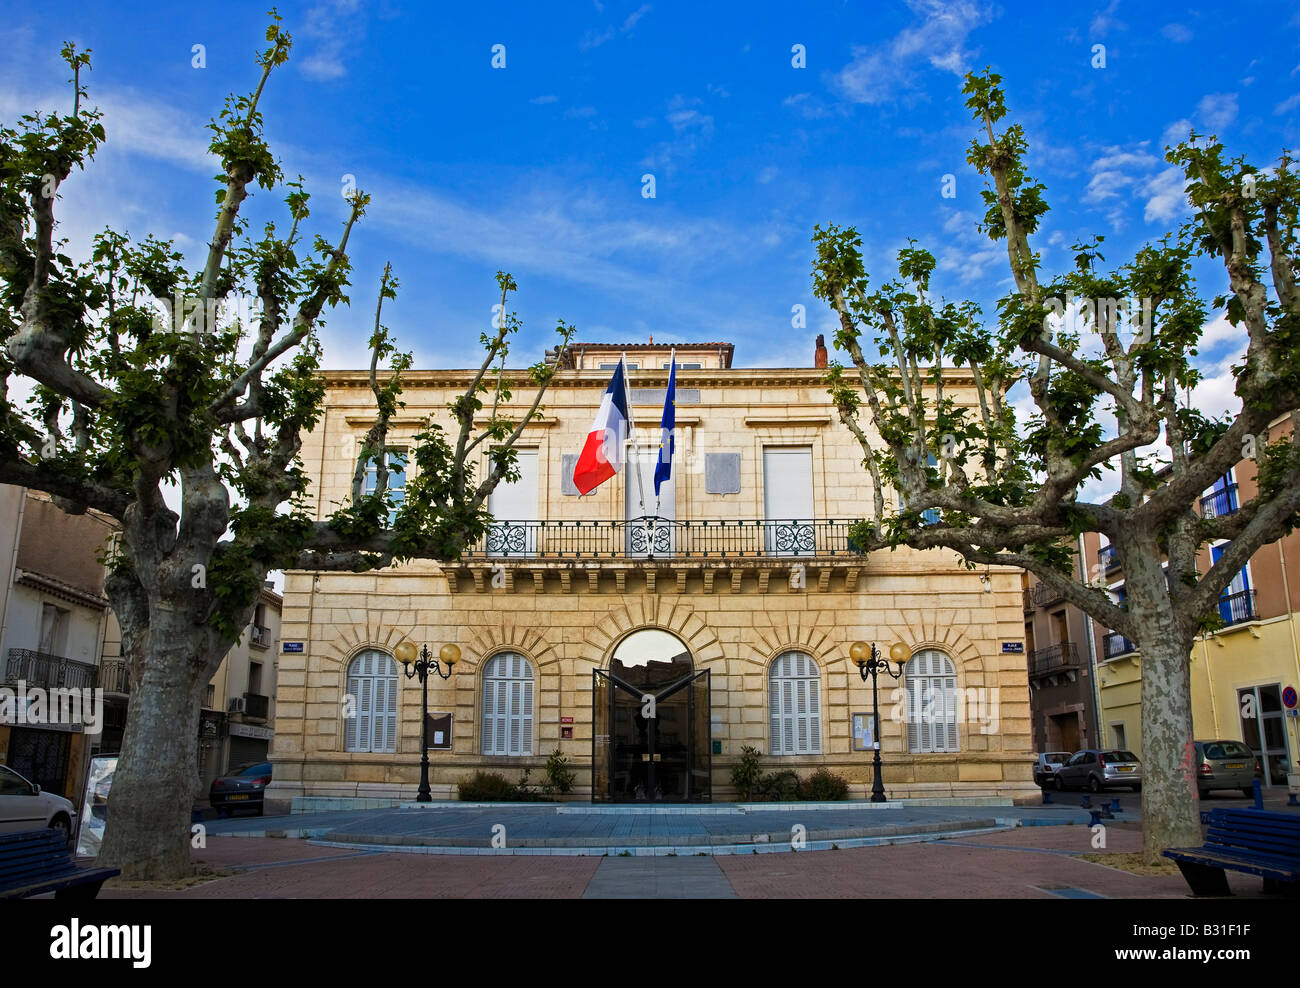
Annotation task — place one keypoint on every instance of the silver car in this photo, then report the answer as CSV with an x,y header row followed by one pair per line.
x,y
1046,764
1224,765
1096,769
24,807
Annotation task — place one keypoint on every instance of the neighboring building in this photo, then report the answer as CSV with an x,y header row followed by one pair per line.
x,y
236,725
58,631
53,624
1239,672
1059,651
732,599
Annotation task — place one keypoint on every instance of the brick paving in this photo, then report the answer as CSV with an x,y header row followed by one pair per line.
x,y
1027,862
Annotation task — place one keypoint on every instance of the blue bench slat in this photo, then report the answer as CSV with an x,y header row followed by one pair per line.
x,y
1256,842
37,861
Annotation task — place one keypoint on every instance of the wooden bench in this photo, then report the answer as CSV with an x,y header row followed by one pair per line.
x,y
1250,841
33,862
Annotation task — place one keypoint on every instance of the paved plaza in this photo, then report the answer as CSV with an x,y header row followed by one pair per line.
x,y
580,851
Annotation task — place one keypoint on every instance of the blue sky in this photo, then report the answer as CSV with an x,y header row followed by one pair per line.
x,y
537,167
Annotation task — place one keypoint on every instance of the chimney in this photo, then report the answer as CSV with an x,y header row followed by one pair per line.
x,y
819,355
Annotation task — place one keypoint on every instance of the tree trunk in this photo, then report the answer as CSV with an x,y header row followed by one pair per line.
x,y
147,833
1170,804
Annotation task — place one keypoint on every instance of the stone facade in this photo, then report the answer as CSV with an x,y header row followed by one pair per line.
x,y
726,589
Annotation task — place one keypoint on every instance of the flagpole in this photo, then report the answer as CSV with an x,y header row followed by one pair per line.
x,y
631,427
663,440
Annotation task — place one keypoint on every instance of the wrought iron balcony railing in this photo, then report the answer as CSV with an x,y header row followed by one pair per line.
x,y
1053,658
256,706
1045,595
1220,502
660,538
1115,645
1235,608
114,677
1108,558
259,636
49,671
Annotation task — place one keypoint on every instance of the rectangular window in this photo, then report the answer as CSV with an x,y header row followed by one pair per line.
x,y
54,629
788,500
513,507
395,460
255,677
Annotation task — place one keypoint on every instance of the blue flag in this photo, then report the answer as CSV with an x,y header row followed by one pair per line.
x,y
664,465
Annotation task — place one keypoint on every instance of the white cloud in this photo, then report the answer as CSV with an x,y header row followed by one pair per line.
x,y
594,39
1177,33
1217,110
1104,21
1288,104
877,74
1167,195
335,27
544,99
1176,132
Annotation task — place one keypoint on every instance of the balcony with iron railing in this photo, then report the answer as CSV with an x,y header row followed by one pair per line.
x,y
1237,608
256,706
1053,659
1220,502
1045,595
1108,558
48,671
259,636
660,538
1115,644
114,677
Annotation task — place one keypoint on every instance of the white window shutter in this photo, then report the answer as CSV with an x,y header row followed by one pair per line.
x,y
350,723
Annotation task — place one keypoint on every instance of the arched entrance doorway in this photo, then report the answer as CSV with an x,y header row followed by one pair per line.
x,y
650,723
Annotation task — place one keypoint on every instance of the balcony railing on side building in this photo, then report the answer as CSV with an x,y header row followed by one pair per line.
x,y
1045,595
1115,645
1220,502
665,538
1235,608
1053,658
114,677
259,636
1108,558
256,706
49,671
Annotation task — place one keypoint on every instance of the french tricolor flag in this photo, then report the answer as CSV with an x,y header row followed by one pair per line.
x,y
602,456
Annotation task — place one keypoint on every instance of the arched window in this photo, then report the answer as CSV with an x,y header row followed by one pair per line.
x,y
932,698
795,700
372,685
508,705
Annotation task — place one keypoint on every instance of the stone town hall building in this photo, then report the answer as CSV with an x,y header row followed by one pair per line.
x,y
735,609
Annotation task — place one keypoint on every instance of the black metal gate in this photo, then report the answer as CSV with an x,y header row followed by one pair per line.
x,y
41,756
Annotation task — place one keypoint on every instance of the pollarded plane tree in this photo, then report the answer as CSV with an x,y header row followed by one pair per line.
x,y
1008,492
127,403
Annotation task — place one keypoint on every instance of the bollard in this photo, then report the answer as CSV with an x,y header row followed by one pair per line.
x,y
1291,800
1047,796
1114,805
1094,817
1259,795
1087,801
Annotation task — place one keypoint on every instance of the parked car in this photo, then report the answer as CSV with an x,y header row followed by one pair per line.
x,y
1046,764
242,787
24,807
1096,769
1224,765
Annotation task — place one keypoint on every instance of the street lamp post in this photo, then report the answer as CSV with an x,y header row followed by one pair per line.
x,y
421,666
869,663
